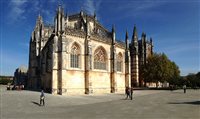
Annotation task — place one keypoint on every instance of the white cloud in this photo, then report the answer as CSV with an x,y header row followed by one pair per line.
x,y
90,6
17,10
36,5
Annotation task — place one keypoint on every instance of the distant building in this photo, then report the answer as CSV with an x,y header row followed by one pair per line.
x,y
78,55
21,76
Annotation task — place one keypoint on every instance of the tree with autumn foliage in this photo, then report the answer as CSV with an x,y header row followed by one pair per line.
x,y
159,68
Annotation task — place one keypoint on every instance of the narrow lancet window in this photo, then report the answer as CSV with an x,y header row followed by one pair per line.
x,y
119,62
75,56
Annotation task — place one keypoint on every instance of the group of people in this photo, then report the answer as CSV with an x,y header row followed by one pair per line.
x,y
15,87
172,87
129,93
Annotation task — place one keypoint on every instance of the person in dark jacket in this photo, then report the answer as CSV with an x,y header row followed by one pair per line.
x,y
127,92
131,92
42,102
184,88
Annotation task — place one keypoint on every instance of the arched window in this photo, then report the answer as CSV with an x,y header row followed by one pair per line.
x,y
119,62
100,58
75,56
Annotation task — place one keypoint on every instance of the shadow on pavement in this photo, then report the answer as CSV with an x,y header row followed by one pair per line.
x,y
193,103
36,103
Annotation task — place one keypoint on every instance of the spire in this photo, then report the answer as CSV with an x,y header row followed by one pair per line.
x,y
59,7
151,41
39,20
113,28
39,17
126,35
126,39
62,11
143,37
135,36
66,16
87,25
95,16
59,19
81,12
113,34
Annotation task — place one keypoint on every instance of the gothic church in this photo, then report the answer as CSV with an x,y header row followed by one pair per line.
x,y
78,55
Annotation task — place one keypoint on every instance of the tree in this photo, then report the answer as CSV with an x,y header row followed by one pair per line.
x,y
193,80
159,69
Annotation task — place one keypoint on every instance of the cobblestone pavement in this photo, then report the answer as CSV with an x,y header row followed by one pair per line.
x,y
146,104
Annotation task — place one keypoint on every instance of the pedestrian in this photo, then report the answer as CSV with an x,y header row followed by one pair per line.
x,y
184,88
131,91
42,96
171,87
127,92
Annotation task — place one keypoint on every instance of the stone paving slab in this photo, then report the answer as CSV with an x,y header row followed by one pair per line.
x,y
147,104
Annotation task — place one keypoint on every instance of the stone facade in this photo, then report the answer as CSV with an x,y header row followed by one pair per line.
x,y
78,55
20,76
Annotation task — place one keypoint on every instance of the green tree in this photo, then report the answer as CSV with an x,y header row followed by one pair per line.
x,y
193,80
159,69
4,80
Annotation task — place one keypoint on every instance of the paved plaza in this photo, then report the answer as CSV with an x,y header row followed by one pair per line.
x,y
146,104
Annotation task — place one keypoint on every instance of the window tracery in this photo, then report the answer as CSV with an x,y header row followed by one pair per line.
x,y
100,59
75,56
119,62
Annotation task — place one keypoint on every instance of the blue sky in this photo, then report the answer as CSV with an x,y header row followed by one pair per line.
x,y
173,25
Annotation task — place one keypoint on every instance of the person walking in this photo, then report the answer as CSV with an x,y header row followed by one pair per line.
x,y
127,92
184,88
42,98
131,91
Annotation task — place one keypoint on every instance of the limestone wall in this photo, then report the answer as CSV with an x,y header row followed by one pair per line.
x,y
99,82
74,81
120,82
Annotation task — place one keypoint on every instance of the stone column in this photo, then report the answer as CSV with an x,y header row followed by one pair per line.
x,y
135,71
55,65
64,65
59,74
112,61
113,68
88,66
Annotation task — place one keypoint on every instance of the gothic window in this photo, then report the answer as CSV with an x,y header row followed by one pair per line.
x,y
119,62
100,58
75,56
